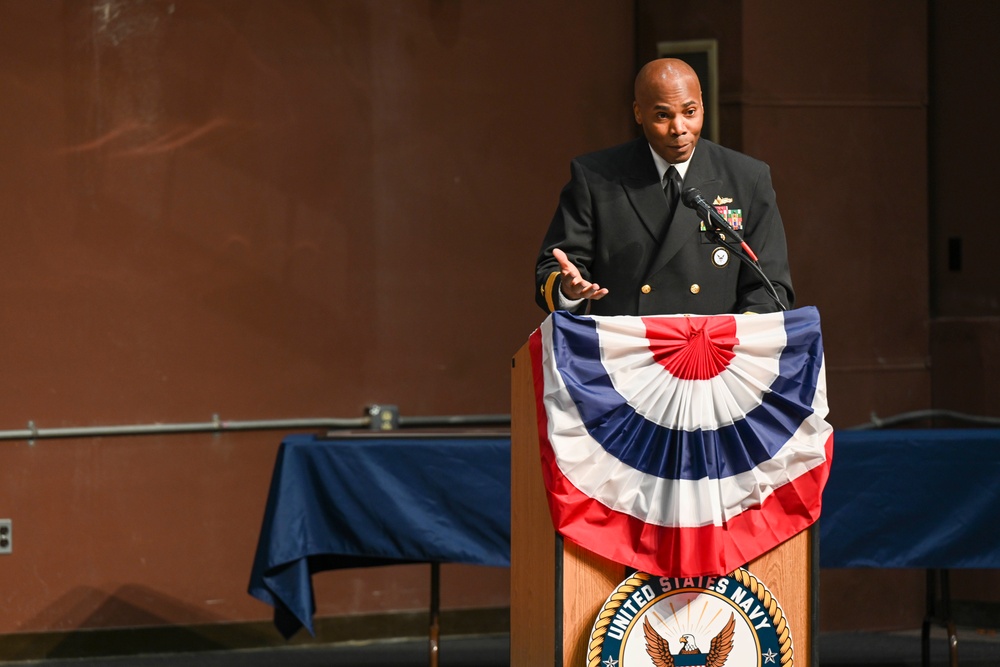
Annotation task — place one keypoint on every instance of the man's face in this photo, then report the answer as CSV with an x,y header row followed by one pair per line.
x,y
671,114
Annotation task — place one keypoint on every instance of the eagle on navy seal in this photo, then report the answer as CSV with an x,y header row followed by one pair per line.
x,y
658,647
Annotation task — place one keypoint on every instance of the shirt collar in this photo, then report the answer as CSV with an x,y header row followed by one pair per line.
x,y
662,165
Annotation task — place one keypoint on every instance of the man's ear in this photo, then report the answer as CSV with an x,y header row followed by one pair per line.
x,y
635,112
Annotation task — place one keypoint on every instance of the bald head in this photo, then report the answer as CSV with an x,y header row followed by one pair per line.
x,y
669,108
665,72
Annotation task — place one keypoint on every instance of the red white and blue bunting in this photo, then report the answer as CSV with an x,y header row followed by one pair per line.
x,y
682,445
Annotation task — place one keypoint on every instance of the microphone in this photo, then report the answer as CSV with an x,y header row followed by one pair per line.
x,y
691,197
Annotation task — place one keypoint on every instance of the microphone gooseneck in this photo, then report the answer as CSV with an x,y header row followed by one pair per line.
x,y
719,227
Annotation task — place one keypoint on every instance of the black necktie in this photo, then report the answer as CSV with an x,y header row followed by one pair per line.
x,y
672,189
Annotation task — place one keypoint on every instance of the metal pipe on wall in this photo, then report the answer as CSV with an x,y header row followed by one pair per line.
x,y
372,421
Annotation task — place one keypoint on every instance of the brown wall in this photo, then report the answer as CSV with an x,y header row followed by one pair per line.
x,y
262,210
964,144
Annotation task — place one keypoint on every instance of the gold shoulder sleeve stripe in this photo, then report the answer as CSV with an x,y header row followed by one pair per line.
x,y
551,284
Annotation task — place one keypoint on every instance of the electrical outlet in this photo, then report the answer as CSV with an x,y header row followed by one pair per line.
x,y
6,536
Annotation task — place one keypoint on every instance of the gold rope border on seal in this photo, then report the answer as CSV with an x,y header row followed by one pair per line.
x,y
777,617
626,589
742,576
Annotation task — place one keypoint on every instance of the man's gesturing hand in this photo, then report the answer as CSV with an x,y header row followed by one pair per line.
x,y
573,285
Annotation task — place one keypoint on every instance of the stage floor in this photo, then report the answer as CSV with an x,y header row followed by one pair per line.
x,y
869,649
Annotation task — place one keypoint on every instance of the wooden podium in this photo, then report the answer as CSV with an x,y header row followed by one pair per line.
x,y
558,588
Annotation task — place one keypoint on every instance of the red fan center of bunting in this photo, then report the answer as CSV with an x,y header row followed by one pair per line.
x,y
692,348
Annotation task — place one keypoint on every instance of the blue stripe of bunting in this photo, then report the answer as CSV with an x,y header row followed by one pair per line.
x,y
692,455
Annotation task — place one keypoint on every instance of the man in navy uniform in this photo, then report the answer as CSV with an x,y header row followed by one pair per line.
x,y
621,243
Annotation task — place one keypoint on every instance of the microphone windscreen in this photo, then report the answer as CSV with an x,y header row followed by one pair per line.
x,y
690,197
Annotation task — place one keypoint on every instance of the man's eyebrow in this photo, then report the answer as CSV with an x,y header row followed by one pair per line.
x,y
684,105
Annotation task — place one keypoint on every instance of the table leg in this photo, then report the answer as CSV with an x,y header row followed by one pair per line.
x,y
938,612
435,629
929,611
949,622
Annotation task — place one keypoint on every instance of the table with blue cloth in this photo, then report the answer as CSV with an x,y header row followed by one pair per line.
x,y
924,498
340,502
895,499
921,498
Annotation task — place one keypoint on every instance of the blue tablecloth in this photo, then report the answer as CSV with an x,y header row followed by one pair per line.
x,y
913,498
337,503
900,498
